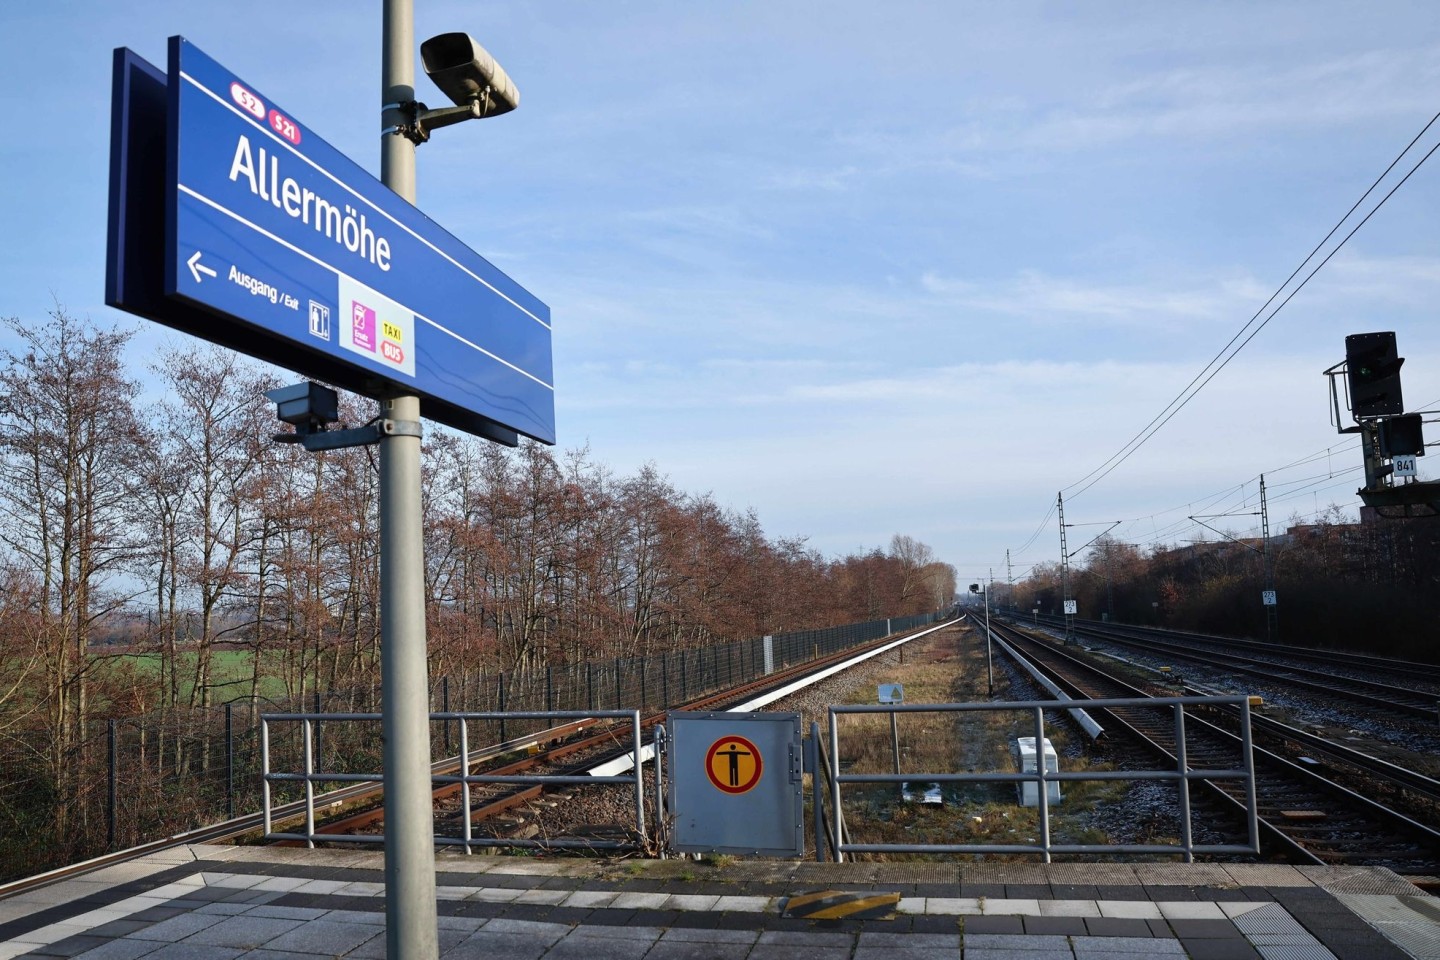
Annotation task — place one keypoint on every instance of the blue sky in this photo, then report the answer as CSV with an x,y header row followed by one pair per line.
x,y
866,268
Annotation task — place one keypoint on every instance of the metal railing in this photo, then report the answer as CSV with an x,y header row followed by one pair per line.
x,y
311,775
1181,775
828,835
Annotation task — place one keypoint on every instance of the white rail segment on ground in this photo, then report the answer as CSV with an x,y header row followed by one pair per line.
x,y
621,764
1087,722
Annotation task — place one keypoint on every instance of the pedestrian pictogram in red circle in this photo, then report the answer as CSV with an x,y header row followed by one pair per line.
x,y
733,764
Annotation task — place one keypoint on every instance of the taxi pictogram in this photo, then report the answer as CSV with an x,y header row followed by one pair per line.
x,y
733,764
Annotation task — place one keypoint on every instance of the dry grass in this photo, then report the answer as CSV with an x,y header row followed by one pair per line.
x,y
950,668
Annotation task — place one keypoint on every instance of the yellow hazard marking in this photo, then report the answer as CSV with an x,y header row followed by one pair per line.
x,y
842,904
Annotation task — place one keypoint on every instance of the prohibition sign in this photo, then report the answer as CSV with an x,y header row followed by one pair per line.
x,y
733,764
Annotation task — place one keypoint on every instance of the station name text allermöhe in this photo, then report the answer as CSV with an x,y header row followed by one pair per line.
x,y
341,224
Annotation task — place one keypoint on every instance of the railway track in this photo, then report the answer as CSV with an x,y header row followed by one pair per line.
x,y
1343,680
362,797
1305,816
1406,670
564,753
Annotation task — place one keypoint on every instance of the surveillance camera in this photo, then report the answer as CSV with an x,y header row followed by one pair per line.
x,y
306,405
467,74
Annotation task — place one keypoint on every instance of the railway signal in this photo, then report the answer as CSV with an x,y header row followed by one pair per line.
x,y
1372,367
1402,436
1390,439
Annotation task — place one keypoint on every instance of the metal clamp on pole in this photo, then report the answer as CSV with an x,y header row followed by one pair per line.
x,y
401,428
312,408
421,119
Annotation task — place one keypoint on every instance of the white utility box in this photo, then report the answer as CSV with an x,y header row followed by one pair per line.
x,y
1023,750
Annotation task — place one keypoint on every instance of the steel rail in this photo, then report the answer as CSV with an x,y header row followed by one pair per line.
x,y
1407,669
252,823
1396,699
1277,834
1272,835
508,800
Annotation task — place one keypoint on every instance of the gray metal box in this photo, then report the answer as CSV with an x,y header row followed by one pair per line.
x,y
736,783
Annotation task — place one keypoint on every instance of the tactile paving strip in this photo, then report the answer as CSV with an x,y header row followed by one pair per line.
x,y
1376,881
917,873
1407,921
1269,919
1301,951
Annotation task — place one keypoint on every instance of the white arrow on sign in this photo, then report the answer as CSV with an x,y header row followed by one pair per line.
x,y
197,268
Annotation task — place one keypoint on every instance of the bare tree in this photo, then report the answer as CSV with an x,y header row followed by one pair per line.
x,y
68,452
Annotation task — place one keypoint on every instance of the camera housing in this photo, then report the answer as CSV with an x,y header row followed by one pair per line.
x,y
308,406
467,74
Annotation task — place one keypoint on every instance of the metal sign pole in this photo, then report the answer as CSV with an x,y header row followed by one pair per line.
x,y
1272,625
410,914
895,742
1065,571
989,661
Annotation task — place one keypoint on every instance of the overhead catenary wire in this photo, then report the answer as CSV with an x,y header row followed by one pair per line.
x,y
1167,532
1038,529
1245,501
1226,354
1281,306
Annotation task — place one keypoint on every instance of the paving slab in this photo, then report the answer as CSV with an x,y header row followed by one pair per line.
x,y
325,936
1125,947
693,950
178,927
488,946
709,935
595,948
196,951
246,932
205,904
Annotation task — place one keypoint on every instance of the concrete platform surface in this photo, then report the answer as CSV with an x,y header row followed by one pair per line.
x,y
267,903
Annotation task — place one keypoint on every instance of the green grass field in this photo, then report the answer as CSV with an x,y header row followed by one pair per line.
x,y
230,673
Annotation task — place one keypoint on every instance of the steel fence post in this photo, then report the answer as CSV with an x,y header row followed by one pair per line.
x,y
466,829
834,776
307,728
1043,785
1248,745
1182,763
637,747
229,761
502,706
445,708
319,730
660,832
114,783
265,774
817,803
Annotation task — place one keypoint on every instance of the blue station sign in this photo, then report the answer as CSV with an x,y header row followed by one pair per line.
x,y
278,245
